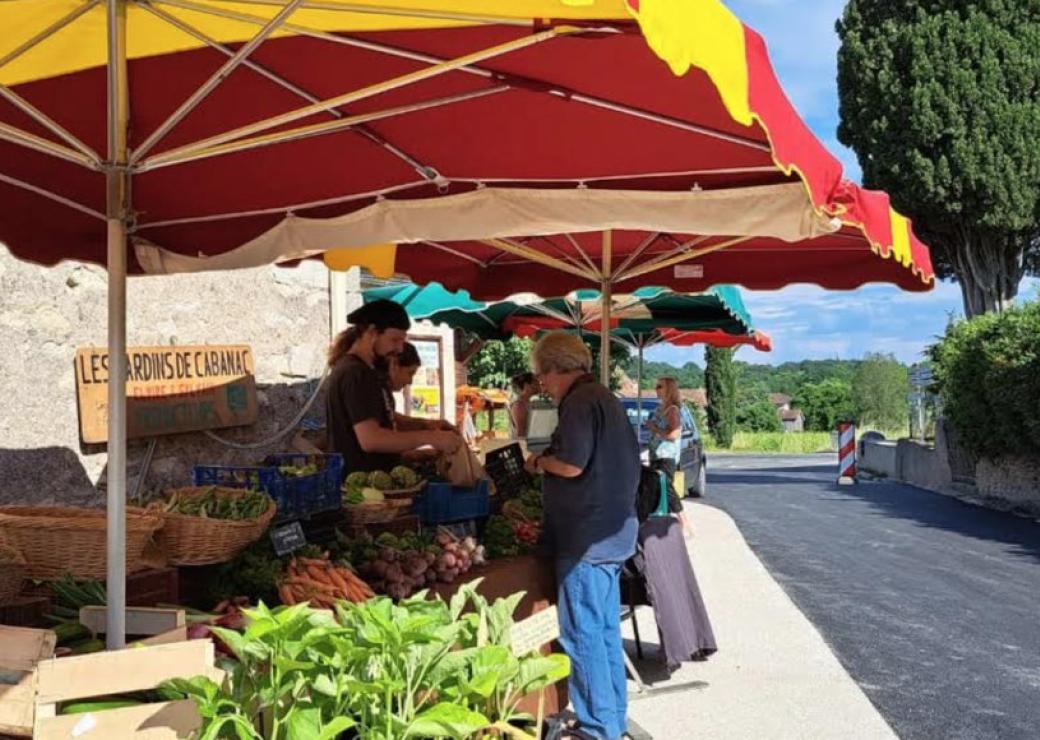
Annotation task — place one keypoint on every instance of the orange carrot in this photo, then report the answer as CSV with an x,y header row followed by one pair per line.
x,y
338,579
312,584
317,573
285,591
312,561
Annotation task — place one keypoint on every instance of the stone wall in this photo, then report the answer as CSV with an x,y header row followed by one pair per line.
x,y
922,465
878,457
1011,483
47,313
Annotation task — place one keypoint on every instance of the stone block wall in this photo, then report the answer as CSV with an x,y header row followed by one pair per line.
x,y
1012,483
47,313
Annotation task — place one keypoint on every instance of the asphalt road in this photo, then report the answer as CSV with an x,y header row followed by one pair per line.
x,y
932,605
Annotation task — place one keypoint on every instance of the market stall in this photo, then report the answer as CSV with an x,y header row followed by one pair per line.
x,y
225,167
213,188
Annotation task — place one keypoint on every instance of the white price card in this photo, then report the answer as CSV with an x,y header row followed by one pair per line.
x,y
537,630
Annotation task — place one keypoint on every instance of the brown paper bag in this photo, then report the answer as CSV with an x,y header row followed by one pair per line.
x,y
461,468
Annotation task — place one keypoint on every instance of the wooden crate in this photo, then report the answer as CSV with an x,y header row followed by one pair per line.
x,y
26,610
153,626
143,588
21,649
87,677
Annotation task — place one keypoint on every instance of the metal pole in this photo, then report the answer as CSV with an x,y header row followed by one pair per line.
x,y
605,295
639,383
337,302
118,192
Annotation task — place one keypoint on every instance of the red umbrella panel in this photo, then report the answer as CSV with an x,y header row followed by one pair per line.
x,y
714,338
243,149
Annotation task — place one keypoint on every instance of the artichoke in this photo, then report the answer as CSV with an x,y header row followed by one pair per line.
x,y
381,480
404,477
358,479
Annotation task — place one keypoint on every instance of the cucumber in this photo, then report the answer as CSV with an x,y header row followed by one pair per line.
x,y
70,631
84,647
82,707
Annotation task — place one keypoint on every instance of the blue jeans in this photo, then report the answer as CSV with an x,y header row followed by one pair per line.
x,y
590,633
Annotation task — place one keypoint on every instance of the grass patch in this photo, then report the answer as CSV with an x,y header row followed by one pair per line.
x,y
791,443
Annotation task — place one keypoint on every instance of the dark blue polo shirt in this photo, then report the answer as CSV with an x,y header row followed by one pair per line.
x,y
593,517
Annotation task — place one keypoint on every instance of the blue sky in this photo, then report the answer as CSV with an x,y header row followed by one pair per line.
x,y
807,322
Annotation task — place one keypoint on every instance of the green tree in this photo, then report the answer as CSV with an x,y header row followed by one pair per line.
x,y
987,371
720,382
688,375
497,362
759,416
879,390
939,100
825,403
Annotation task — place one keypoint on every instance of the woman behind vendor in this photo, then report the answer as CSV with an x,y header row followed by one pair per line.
x,y
360,415
400,372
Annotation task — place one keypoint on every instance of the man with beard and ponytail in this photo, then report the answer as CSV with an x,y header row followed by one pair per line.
x,y
360,418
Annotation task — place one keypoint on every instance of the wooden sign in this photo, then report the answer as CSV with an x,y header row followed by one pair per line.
x,y
170,390
538,629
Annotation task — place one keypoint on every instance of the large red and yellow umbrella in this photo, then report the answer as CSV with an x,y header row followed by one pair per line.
x,y
479,141
270,130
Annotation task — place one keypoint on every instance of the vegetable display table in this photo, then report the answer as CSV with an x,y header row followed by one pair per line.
x,y
504,576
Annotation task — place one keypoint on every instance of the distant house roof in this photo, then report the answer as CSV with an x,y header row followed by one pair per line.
x,y
779,399
792,415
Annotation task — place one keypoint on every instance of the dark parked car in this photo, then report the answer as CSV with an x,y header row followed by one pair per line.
x,y
693,461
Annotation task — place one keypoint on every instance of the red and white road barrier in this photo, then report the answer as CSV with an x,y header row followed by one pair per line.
x,y
846,453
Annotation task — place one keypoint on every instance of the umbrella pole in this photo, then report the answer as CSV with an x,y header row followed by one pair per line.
x,y
605,296
639,384
117,192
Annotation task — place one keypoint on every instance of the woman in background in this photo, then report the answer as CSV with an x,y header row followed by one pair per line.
x,y
525,387
665,428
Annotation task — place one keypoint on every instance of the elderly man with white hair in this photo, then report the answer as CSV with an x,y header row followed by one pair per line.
x,y
591,472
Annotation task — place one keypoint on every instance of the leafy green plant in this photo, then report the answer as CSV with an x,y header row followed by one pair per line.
x,y
987,371
417,669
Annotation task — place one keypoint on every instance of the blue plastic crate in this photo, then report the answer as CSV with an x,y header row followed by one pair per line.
x,y
441,503
294,496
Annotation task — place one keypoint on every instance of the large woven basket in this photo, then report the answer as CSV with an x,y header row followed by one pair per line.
x,y
60,540
12,573
196,540
371,512
396,494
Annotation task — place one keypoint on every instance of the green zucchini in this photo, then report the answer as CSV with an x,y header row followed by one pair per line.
x,y
82,707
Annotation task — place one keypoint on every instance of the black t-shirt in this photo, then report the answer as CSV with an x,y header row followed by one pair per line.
x,y
593,517
356,393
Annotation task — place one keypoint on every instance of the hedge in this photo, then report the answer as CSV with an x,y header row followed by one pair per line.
x,y
987,371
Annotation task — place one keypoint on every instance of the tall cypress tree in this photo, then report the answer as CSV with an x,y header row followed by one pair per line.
x,y
720,383
939,101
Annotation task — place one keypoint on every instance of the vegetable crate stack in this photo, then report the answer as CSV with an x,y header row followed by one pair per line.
x,y
299,484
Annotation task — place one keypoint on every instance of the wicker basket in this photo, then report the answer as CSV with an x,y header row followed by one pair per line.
x,y
404,493
12,573
60,540
196,540
371,512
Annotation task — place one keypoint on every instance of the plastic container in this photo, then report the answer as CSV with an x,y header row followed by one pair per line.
x,y
506,468
442,503
295,496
